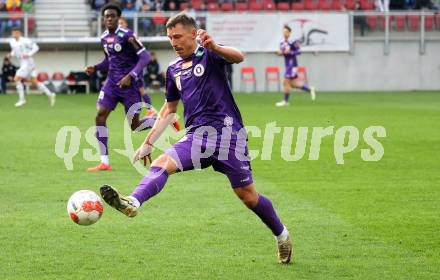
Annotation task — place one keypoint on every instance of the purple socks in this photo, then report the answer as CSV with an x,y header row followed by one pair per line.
x,y
305,88
147,100
286,96
102,137
267,214
151,184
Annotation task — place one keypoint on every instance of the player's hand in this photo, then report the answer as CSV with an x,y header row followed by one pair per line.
x,y
89,70
125,82
279,52
206,40
144,152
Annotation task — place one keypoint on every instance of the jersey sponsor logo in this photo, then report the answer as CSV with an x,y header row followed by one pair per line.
x,y
187,64
178,84
117,47
199,53
199,70
110,40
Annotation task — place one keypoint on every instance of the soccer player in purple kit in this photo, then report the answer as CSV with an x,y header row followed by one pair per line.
x,y
198,77
290,49
125,59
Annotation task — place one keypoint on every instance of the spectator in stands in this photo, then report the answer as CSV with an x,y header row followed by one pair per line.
x,y
140,3
98,4
154,76
27,6
128,11
145,22
425,4
398,5
3,21
8,73
15,15
11,3
382,5
171,6
359,20
157,5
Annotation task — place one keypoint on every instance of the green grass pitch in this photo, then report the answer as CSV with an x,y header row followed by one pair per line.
x,y
360,220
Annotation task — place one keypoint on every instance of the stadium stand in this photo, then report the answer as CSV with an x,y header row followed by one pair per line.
x,y
72,15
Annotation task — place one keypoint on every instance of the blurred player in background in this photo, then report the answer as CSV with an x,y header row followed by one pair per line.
x,y
123,23
198,78
125,59
290,49
23,49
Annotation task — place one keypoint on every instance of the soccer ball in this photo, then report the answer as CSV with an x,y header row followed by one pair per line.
x,y
84,207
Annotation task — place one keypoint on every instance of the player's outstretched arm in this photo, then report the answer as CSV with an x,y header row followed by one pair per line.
x,y
166,117
231,54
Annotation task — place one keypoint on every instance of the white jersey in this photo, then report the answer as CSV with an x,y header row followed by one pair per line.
x,y
24,47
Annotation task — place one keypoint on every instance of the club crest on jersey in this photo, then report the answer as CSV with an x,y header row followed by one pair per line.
x,y
117,47
199,70
178,84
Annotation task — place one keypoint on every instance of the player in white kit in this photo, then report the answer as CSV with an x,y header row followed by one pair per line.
x,y
23,49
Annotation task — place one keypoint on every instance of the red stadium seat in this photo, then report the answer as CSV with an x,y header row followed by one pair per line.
x,y
58,76
336,5
371,22
254,6
310,5
42,77
248,76
381,22
367,5
241,7
272,74
399,22
269,5
324,5
302,74
414,22
213,7
184,6
437,20
350,4
283,6
298,6
429,22
227,7
197,5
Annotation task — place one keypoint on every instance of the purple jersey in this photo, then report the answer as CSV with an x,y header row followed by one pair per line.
x,y
201,82
290,61
122,56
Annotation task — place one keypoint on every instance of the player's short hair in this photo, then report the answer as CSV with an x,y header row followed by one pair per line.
x,y
287,27
111,6
182,18
15,28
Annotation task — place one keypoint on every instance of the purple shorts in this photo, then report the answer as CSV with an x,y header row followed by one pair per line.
x,y
230,157
111,94
291,73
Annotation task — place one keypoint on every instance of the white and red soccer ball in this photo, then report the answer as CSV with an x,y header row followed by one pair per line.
x,y
84,207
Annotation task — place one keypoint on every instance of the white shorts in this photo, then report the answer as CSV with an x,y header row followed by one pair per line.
x,y
26,71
